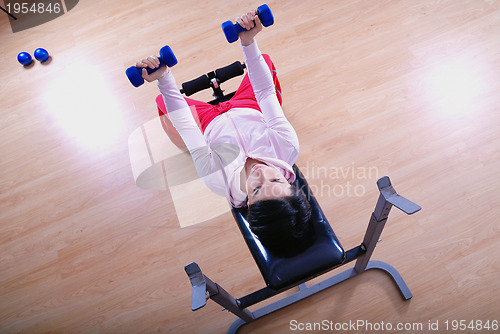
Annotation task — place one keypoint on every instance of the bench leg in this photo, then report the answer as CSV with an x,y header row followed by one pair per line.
x,y
204,288
395,275
387,199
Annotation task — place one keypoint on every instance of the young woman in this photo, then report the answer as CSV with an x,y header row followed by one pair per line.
x,y
246,147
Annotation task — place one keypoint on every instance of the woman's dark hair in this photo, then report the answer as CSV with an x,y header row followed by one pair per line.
x,y
282,225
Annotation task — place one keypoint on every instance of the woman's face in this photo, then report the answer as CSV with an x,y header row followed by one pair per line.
x,y
265,182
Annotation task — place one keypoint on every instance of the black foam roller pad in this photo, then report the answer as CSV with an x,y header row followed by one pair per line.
x,y
229,71
196,85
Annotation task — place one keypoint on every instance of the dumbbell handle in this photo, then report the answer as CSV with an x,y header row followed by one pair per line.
x,y
232,30
239,29
166,57
265,17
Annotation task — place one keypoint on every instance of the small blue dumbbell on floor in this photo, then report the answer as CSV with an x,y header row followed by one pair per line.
x,y
41,55
24,58
231,30
166,57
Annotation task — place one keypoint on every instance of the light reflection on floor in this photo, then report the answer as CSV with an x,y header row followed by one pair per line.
x,y
81,101
454,85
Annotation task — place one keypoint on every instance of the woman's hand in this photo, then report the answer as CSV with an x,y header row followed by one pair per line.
x,y
251,22
151,62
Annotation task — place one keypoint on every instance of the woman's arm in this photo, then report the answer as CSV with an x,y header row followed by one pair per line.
x,y
180,113
181,117
262,80
178,110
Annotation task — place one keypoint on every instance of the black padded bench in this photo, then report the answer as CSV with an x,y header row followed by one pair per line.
x,y
323,255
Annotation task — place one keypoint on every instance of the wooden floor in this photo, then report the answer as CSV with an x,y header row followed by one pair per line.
x,y
408,89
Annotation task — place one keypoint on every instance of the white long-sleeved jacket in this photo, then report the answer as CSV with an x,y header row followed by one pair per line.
x,y
220,153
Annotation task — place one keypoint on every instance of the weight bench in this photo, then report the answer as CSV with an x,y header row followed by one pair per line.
x,y
322,256
325,254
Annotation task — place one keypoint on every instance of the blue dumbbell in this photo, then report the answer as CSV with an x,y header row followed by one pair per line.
x,y
232,30
41,55
24,58
166,57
